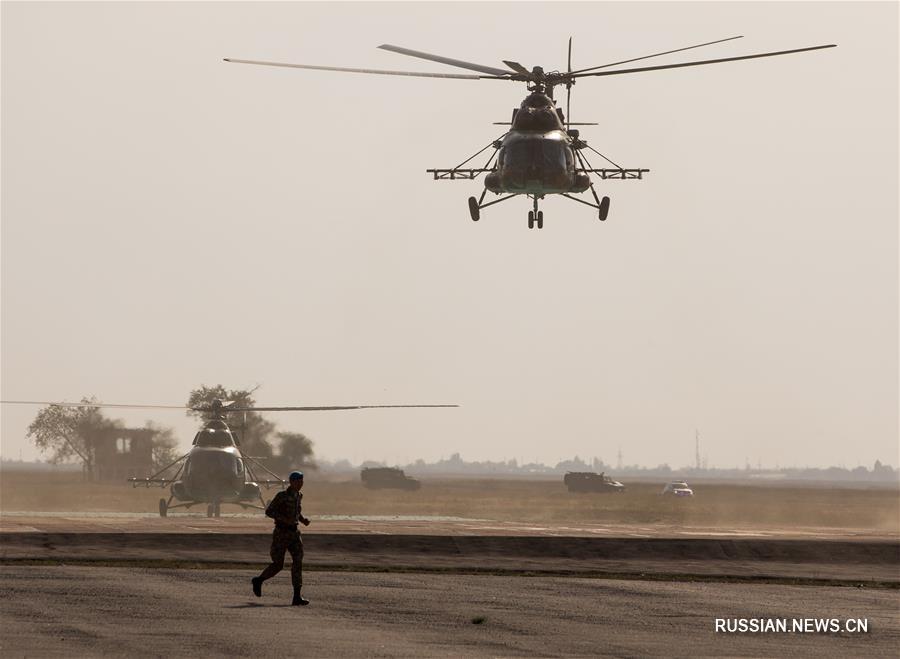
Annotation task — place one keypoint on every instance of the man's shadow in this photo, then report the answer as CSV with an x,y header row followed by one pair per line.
x,y
255,605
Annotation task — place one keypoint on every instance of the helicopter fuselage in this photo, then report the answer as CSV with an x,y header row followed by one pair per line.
x,y
537,155
213,474
214,471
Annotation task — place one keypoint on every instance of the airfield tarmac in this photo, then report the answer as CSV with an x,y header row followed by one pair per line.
x,y
90,583
94,611
452,544
131,522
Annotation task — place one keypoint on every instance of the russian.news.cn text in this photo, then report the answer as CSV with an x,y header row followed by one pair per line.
x,y
792,625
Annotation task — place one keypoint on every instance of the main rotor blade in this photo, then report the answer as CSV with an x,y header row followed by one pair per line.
x,y
445,60
325,408
64,404
668,52
206,408
346,70
515,66
709,61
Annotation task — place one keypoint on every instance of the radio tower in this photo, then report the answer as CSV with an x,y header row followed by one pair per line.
x,y
619,467
697,444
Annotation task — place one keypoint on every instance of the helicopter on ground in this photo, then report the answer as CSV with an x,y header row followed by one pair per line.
x,y
216,470
540,154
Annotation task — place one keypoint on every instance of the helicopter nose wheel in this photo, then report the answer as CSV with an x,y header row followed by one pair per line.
x,y
535,217
536,220
163,508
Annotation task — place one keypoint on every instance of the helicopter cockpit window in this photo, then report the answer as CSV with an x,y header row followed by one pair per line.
x,y
554,153
520,152
211,438
215,464
548,154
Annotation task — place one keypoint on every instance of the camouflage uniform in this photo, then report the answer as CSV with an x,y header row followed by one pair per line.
x,y
285,509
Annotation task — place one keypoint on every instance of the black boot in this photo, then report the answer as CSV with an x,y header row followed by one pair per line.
x,y
299,600
257,586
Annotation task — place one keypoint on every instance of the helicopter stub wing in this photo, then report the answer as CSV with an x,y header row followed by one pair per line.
x,y
162,482
574,123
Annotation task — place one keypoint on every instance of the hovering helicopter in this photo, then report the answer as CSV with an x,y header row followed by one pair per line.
x,y
541,153
215,470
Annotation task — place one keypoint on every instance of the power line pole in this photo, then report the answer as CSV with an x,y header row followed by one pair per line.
x,y
697,446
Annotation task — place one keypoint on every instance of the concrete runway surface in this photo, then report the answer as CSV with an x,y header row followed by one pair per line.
x,y
456,544
93,522
101,584
94,611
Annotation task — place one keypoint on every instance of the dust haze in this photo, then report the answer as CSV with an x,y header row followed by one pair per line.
x,y
722,506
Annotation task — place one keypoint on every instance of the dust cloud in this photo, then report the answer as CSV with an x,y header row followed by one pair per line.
x,y
545,501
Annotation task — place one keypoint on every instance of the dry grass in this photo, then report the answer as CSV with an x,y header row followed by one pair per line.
x,y
538,501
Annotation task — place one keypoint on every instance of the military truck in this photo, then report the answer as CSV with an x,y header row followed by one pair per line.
x,y
589,481
378,478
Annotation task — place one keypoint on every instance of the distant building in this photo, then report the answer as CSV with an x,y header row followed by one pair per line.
x,y
121,453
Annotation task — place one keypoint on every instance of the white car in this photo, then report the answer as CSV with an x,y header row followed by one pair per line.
x,y
678,489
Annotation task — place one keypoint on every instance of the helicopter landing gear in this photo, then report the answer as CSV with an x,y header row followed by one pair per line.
x,y
474,209
603,208
475,205
602,205
536,217
536,220
163,508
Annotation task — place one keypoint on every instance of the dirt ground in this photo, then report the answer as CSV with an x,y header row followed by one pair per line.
x,y
527,501
89,611
406,585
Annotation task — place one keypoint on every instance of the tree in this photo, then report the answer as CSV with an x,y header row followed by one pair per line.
x,y
164,445
69,432
295,451
252,429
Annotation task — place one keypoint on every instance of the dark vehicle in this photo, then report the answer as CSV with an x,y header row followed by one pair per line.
x,y
540,153
588,481
383,478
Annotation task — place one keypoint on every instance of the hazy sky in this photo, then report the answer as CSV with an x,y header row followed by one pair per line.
x,y
171,220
